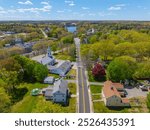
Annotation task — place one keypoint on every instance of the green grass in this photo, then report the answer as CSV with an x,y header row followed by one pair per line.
x,y
28,102
99,107
96,89
91,78
31,104
63,56
71,74
54,75
96,97
72,88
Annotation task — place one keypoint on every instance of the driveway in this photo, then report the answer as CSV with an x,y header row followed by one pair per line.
x,y
135,92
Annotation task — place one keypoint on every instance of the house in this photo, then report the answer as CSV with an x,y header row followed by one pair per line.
x,y
48,92
49,80
61,68
112,95
48,59
58,93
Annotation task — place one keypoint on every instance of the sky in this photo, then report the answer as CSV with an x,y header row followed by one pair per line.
x,y
74,10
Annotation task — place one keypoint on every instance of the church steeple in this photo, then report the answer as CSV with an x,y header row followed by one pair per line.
x,y
49,54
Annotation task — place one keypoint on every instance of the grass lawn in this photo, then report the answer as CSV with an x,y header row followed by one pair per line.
x,y
138,105
28,103
37,104
99,107
54,75
96,97
96,89
72,88
71,74
63,56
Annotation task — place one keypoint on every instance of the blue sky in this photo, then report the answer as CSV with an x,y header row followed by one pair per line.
x,y
74,9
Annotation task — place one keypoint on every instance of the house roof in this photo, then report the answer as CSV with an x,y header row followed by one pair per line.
x,y
110,90
118,85
50,78
46,60
61,86
48,92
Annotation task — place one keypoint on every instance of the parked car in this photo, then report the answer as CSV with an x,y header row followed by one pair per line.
x,y
145,88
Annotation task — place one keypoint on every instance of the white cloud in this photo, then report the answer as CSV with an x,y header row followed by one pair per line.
x,y
85,8
70,3
114,8
25,3
44,3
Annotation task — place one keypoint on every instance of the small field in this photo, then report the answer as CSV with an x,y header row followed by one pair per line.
x,y
71,74
38,104
96,92
63,56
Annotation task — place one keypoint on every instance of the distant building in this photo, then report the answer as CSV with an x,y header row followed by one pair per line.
x,y
59,93
90,31
18,41
112,95
49,80
48,59
61,68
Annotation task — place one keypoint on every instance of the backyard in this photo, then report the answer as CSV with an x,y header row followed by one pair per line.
x,y
38,103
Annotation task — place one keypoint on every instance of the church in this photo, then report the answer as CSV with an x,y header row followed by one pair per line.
x,y
48,59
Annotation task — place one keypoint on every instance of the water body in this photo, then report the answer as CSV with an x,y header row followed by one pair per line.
x,y
71,29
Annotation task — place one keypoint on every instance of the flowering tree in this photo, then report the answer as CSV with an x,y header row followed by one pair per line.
x,y
98,71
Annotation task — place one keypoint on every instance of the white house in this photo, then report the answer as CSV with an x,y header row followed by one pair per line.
x,y
59,92
111,93
48,59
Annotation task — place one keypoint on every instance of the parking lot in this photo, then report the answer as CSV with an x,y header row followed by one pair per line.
x,y
135,92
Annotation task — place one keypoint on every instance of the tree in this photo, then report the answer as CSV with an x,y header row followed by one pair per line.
x,y
106,49
40,72
121,68
98,71
125,48
4,98
143,70
10,78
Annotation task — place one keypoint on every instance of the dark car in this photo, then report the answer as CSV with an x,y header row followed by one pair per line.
x,y
145,88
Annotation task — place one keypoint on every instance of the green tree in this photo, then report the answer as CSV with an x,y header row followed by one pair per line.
x,y
40,72
121,68
4,98
143,70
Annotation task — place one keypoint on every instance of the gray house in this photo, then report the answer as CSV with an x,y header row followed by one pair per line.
x,y
49,80
61,69
59,93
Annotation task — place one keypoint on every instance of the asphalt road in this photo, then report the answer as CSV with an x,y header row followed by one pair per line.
x,y
84,102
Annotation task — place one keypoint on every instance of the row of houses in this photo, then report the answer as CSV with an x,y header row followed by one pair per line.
x,y
54,66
